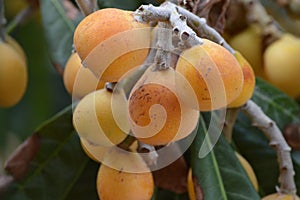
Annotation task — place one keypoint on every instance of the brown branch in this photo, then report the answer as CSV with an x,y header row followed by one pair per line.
x,y
277,141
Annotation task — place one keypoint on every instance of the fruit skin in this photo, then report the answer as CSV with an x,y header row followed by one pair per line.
x,y
248,170
249,82
155,94
212,63
249,43
14,44
78,80
13,76
126,173
282,64
158,114
94,118
96,153
100,27
277,196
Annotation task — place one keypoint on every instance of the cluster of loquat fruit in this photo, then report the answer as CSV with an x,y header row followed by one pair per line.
x,y
104,118
278,62
13,72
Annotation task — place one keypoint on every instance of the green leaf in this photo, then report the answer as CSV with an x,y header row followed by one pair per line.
x,y
219,173
58,29
254,145
59,166
275,104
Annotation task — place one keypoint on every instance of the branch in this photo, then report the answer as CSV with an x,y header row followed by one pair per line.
x,y
256,13
203,29
283,15
277,141
163,35
179,17
169,12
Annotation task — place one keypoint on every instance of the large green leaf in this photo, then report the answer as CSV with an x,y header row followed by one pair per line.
x,y
253,144
59,167
59,30
219,173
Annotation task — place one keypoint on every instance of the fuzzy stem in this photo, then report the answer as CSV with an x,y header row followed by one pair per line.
x,y
277,141
87,6
2,21
125,144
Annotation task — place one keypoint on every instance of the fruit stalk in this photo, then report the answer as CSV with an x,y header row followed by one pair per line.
x,y
277,141
127,142
87,6
230,119
2,21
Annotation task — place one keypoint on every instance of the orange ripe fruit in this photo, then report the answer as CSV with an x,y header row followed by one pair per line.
x,y
100,118
14,44
249,82
124,172
13,76
78,80
158,113
214,74
111,42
